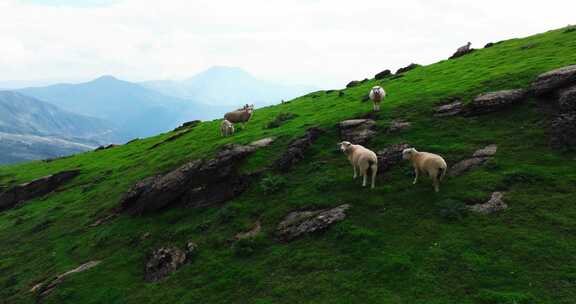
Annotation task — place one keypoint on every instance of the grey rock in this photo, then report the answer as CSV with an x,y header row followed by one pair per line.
x,y
479,158
555,79
390,156
383,74
36,188
296,150
45,288
494,204
397,126
495,101
407,68
198,183
357,131
299,223
450,109
162,262
488,151
563,131
353,83
567,99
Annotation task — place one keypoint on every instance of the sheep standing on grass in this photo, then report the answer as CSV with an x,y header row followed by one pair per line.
x,y
376,95
226,128
240,116
464,49
362,160
424,162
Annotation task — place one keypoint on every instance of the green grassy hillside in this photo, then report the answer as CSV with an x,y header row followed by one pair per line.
x,y
395,246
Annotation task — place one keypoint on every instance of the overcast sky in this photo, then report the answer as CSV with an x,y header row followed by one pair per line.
x,y
320,42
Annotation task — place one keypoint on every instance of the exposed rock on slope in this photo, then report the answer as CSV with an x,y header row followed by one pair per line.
x,y
198,183
357,131
298,223
478,158
553,80
494,204
45,288
407,68
162,262
296,150
34,189
390,156
494,101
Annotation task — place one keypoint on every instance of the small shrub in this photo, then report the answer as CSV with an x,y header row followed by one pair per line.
x,y
280,119
450,209
272,184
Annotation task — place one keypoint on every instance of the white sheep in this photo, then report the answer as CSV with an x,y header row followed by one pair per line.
x,y
424,162
464,49
362,160
226,128
377,93
240,116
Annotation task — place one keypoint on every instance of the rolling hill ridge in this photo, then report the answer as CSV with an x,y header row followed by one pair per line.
x,y
145,223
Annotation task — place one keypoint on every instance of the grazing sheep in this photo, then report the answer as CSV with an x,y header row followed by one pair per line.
x,y
240,116
226,128
464,49
426,162
376,95
361,159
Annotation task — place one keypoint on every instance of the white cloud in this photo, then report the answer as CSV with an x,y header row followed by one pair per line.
x,y
322,42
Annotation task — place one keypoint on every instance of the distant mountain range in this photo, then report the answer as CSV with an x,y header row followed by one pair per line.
x,y
136,110
60,119
32,129
228,86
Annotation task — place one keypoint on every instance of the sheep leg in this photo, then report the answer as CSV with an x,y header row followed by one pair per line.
x,y
355,172
365,177
374,171
435,183
416,172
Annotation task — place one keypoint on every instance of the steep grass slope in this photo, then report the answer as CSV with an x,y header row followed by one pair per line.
x,y
394,246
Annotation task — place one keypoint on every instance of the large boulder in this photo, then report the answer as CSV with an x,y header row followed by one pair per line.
x,y
36,188
298,223
162,262
495,101
296,150
450,109
198,183
553,80
357,131
390,156
407,68
567,99
563,131
383,74
479,158
494,204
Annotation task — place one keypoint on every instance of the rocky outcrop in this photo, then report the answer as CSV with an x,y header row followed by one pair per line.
x,y
188,125
162,262
352,84
45,288
383,74
357,131
197,183
299,223
567,99
398,126
110,146
494,204
494,101
451,109
407,68
563,131
36,188
256,228
554,80
478,158
296,150
390,156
